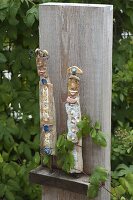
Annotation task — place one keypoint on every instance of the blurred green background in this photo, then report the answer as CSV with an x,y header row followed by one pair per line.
x,y
19,109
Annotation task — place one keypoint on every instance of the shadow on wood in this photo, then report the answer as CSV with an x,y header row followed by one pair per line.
x,y
57,178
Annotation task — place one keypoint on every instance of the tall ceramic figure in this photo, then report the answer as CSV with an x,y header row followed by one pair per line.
x,y
48,134
74,116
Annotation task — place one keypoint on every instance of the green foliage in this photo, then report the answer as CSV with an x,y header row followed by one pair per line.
x,y
123,83
19,109
97,179
87,128
14,182
122,146
47,160
64,148
122,182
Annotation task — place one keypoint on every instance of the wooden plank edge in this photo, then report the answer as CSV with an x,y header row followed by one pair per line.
x,y
57,178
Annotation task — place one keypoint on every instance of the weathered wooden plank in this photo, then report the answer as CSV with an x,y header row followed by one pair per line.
x,y
50,193
59,179
81,34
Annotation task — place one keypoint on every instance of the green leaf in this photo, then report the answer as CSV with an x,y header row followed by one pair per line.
x,y
3,14
121,97
4,4
13,21
27,151
2,189
84,126
5,156
127,183
119,190
31,15
9,170
60,141
97,178
13,185
99,174
97,126
13,8
92,191
93,133
100,139
123,198
1,158
29,20
9,195
37,158
122,166
2,58
46,160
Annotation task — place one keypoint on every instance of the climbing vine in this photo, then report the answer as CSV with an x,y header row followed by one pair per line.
x,y
65,147
65,159
96,180
86,127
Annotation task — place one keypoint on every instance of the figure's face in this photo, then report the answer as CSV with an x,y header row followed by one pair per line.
x,y
41,66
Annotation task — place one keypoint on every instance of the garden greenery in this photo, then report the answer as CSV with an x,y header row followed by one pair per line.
x,y
64,147
19,109
65,158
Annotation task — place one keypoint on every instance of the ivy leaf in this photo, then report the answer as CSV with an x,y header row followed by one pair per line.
x,y
119,190
100,139
97,126
92,191
127,183
4,4
37,158
60,141
31,15
47,160
3,14
14,186
98,176
93,133
84,126
13,9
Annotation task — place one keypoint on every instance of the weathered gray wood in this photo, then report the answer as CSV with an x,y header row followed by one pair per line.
x,y
53,193
80,34
59,179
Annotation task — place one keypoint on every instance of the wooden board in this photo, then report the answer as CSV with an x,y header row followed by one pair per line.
x,y
81,34
59,179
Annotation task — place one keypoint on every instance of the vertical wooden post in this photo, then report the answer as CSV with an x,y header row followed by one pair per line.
x,y
80,34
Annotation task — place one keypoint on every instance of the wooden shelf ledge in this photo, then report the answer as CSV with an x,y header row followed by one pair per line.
x,y
59,179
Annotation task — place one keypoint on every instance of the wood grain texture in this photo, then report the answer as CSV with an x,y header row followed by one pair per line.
x,y
43,176
79,34
53,193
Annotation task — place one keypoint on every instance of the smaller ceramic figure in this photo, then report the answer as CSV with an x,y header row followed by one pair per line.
x,y
74,116
48,134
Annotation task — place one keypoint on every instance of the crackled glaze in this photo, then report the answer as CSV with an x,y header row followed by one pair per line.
x,y
74,116
48,134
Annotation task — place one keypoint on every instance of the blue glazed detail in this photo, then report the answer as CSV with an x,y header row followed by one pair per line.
x,y
44,81
46,128
47,150
74,71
